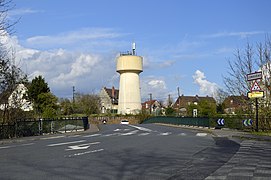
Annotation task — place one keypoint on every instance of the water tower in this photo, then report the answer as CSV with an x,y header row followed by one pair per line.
x,y
129,66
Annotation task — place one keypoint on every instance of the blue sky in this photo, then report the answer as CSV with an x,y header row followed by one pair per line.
x,y
184,44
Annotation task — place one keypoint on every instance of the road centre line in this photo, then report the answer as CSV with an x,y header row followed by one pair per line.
x,y
87,152
5,147
65,143
14,146
92,135
54,137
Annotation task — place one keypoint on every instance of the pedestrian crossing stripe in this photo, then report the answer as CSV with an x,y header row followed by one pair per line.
x,y
255,87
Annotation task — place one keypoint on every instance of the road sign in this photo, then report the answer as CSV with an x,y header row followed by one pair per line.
x,y
248,122
254,76
255,94
255,87
220,122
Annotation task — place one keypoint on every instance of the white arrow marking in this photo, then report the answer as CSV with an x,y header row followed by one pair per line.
x,y
81,146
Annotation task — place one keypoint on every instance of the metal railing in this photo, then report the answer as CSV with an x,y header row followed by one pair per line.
x,y
35,127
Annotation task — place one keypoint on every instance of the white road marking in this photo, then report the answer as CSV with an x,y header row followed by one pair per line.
x,y
81,146
74,136
201,134
114,134
117,130
143,134
65,143
14,146
141,128
182,134
92,135
54,137
87,152
165,134
129,133
28,144
5,147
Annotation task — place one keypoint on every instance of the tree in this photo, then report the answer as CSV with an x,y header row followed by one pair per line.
x,y
47,104
39,94
87,104
66,106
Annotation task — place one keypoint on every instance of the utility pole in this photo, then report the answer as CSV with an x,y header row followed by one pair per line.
x,y
179,100
73,91
169,101
150,102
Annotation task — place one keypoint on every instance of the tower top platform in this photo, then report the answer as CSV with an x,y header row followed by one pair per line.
x,y
128,62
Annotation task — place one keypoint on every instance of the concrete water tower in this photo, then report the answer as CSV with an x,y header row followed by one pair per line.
x,y
129,66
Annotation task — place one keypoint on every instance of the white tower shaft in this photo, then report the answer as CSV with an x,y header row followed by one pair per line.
x,y
129,67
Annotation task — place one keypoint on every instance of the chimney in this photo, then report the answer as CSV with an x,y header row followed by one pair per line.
x,y
113,92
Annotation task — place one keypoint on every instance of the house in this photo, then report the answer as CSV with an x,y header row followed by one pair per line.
x,y
232,104
109,100
151,106
183,102
18,99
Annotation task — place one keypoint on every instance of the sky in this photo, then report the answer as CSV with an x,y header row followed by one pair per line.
x,y
184,43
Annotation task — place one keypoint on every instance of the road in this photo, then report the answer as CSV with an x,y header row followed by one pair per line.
x,y
119,152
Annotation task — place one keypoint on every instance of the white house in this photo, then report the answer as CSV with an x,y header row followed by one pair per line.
x,y
18,99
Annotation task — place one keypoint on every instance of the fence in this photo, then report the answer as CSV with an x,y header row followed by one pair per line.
x,y
35,127
233,122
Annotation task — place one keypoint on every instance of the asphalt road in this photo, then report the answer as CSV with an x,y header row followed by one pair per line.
x,y
118,152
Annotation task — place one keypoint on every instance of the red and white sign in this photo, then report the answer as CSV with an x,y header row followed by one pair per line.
x,y
255,87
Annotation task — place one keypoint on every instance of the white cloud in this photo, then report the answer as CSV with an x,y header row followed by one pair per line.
x,y
63,69
85,35
22,11
206,87
155,86
243,34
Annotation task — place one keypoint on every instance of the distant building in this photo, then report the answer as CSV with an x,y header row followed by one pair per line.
x,y
183,102
18,99
152,107
232,104
109,100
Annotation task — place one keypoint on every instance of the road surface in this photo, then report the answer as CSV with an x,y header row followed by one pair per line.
x,y
119,152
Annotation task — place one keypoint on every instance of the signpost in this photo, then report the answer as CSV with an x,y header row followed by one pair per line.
x,y
255,92
254,76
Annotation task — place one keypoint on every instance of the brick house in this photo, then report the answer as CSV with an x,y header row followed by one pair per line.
x,y
183,102
232,104
152,106
109,100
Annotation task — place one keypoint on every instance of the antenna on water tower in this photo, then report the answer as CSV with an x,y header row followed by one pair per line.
x,y
133,48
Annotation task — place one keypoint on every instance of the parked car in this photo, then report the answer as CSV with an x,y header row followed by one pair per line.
x,y
124,121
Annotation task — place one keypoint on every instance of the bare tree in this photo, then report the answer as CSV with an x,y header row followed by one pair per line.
x,y
10,74
252,59
245,63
